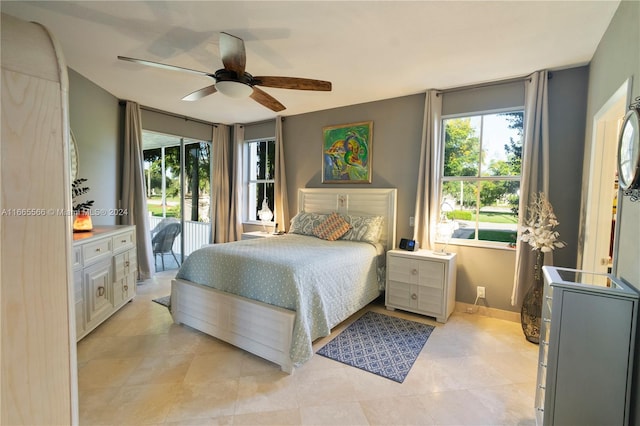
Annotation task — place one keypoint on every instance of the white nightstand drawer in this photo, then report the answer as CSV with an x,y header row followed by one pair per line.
x,y
403,270
401,294
431,274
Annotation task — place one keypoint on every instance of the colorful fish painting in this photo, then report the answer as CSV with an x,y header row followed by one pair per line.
x,y
347,153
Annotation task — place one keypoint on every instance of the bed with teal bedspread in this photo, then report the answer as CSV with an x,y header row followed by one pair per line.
x,y
323,282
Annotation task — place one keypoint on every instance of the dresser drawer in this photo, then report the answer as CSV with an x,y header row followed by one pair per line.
x,y
77,257
125,240
96,250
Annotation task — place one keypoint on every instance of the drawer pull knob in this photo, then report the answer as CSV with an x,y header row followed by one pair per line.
x,y
414,272
98,250
126,288
123,241
414,296
101,291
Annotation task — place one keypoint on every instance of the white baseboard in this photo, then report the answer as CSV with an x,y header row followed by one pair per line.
x,y
487,312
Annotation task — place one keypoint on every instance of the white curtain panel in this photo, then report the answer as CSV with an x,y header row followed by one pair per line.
x,y
235,210
220,185
281,201
431,152
535,174
133,193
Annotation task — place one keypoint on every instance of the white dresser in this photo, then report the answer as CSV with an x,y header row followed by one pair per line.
x,y
422,282
587,340
104,274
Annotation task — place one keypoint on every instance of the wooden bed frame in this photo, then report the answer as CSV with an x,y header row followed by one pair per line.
x,y
262,329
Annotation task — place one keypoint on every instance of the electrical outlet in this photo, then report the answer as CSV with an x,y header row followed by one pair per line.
x,y
411,221
481,292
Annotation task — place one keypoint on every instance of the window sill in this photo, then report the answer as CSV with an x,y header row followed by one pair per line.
x,y
481,244
259,223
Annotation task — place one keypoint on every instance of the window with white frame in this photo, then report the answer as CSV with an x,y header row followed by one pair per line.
x,y
259,176
481,175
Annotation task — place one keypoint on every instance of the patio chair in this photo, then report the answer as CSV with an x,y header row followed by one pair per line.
x,y
162,242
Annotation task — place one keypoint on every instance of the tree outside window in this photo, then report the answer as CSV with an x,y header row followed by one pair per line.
x,y
481,175
261,176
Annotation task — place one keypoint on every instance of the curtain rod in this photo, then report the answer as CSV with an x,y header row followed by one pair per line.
x,y
282,118
487,84
172,114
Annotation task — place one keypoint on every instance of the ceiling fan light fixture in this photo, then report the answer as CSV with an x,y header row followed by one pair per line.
x,y
234,89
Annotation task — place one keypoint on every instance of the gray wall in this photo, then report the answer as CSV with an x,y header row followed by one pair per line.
x,y
95,122
616,59
567,113
397,127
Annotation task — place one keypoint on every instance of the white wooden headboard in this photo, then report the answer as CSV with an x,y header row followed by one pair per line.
x,y
354,201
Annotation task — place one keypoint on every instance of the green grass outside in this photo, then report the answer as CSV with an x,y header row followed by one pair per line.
x,y
488,217
156,210
491,217
495,235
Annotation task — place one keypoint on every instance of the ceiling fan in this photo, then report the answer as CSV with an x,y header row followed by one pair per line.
x,y
234,81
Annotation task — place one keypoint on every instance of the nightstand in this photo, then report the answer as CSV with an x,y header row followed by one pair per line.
x,y
421,282
257,234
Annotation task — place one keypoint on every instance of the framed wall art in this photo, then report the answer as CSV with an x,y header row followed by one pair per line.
x,y
346,153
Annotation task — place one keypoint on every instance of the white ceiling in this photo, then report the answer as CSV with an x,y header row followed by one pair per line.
x,y
368,50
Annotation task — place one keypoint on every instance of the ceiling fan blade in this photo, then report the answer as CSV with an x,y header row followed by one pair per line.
x,y
267,100
201,93
293,83
163,66
233,53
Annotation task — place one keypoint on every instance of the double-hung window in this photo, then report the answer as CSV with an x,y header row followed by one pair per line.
x,y
259,176
481,175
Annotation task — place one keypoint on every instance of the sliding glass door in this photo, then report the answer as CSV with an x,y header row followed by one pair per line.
x,y
178,177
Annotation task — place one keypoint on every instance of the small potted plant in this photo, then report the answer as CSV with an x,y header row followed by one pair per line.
x,y
81,211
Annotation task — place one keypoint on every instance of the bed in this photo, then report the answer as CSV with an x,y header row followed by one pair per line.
x,y
281,293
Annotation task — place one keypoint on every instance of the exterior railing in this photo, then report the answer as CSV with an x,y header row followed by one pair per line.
x,y
194,234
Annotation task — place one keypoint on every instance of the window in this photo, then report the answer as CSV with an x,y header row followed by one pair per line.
x,y
481,175
260,176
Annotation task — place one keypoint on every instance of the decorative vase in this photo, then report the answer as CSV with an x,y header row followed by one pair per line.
x,y
531,312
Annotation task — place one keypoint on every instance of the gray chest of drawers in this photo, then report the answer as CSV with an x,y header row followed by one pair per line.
x,y
587,341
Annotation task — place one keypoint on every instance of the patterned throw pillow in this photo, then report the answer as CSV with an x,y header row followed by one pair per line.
x,y
304,223
332,228
364,228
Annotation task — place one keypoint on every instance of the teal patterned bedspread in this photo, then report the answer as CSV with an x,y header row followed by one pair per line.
x,y
324,282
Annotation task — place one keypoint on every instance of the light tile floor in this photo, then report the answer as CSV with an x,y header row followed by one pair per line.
x,y
139,368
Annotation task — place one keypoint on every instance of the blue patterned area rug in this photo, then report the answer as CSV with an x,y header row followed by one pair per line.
x,y
380,344
164,301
